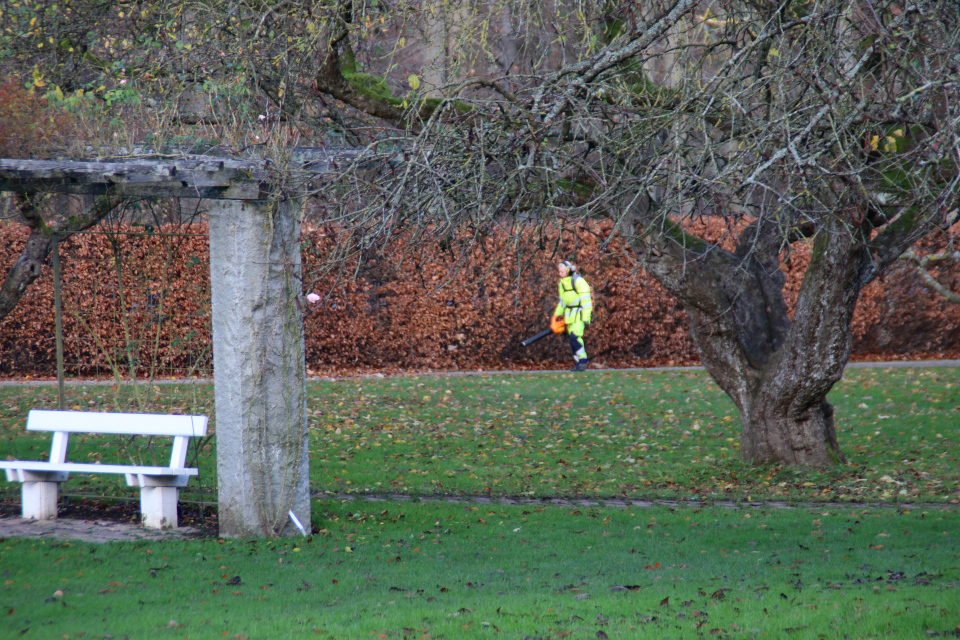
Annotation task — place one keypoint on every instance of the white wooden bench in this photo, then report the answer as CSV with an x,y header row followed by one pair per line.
x,y
158,485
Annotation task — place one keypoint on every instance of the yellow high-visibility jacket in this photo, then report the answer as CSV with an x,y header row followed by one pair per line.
x,y
576,304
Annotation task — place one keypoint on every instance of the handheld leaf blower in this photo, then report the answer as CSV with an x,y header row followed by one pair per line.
x,y
557,325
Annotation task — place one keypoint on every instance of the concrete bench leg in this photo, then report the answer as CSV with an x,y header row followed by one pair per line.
x,y
158,506
39,500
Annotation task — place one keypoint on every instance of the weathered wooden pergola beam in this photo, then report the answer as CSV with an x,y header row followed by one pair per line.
x,y
188,178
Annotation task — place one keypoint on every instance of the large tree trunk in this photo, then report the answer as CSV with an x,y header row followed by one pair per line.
x,y
782,422
777,372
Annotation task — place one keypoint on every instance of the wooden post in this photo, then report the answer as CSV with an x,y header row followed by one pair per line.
x,y
259,368
58,313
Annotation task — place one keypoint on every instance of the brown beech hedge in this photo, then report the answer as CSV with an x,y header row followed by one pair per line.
x,y
142,298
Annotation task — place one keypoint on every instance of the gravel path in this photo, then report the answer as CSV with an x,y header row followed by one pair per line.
x,y
87,530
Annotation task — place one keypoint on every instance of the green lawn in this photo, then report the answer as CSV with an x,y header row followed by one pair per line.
x,y
598,434
436,570
665,434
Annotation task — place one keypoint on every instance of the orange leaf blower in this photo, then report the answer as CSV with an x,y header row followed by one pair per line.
x,y
557,325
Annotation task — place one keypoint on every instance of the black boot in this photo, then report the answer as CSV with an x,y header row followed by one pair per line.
x,y
580,366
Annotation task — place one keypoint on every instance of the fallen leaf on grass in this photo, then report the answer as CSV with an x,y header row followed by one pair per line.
x,y
665,601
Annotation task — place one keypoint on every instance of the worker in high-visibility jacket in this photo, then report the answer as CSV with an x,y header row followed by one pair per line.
x,y
576,310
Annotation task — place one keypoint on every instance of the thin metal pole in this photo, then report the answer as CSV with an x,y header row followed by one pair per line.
x,y
58,310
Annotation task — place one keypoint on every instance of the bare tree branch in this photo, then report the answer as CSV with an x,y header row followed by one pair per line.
x,y
28,266
921,265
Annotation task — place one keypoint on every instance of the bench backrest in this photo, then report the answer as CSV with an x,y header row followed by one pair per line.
x,y
63,423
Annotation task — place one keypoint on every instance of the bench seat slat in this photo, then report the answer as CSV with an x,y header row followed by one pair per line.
x,y
147,424
28,465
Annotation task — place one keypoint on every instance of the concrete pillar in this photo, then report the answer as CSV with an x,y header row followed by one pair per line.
x,y
259,368
39,500
158,507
